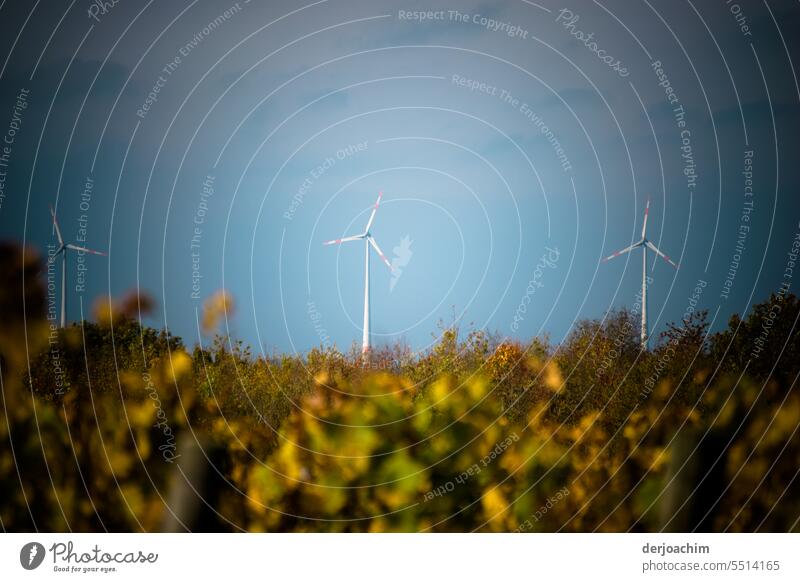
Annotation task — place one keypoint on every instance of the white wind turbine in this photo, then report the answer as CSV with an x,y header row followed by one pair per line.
x,y
366,236
645,244
62,250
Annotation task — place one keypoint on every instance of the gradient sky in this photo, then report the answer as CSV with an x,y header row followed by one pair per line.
x,y
261,100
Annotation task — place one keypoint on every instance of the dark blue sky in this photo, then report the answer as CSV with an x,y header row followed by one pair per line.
x,y
495,133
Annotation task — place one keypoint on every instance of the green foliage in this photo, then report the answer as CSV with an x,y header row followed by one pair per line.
x,y
478,433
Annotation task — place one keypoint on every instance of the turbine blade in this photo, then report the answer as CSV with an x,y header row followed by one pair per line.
x,y
374,210
622,252
339,241
55,223
653,248
85,250
646,212
380,252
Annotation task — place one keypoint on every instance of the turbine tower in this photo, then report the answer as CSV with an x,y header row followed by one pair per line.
x,y
366,236
62,250
645,244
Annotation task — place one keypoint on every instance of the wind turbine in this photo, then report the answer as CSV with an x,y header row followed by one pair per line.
x,y
62,250
645,244
366,236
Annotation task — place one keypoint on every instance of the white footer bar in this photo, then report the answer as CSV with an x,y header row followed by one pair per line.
x,y
401,557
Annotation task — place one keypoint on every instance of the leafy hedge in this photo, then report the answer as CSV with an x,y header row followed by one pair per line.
x,y
115,426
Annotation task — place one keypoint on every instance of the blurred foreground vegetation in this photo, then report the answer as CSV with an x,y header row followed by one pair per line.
x,y
112,426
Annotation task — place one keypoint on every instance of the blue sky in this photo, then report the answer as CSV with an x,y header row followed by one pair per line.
x,y
275,90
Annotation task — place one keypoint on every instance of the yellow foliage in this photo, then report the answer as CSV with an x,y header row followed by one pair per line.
x,y
218,306
552,377
180,365
447,442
